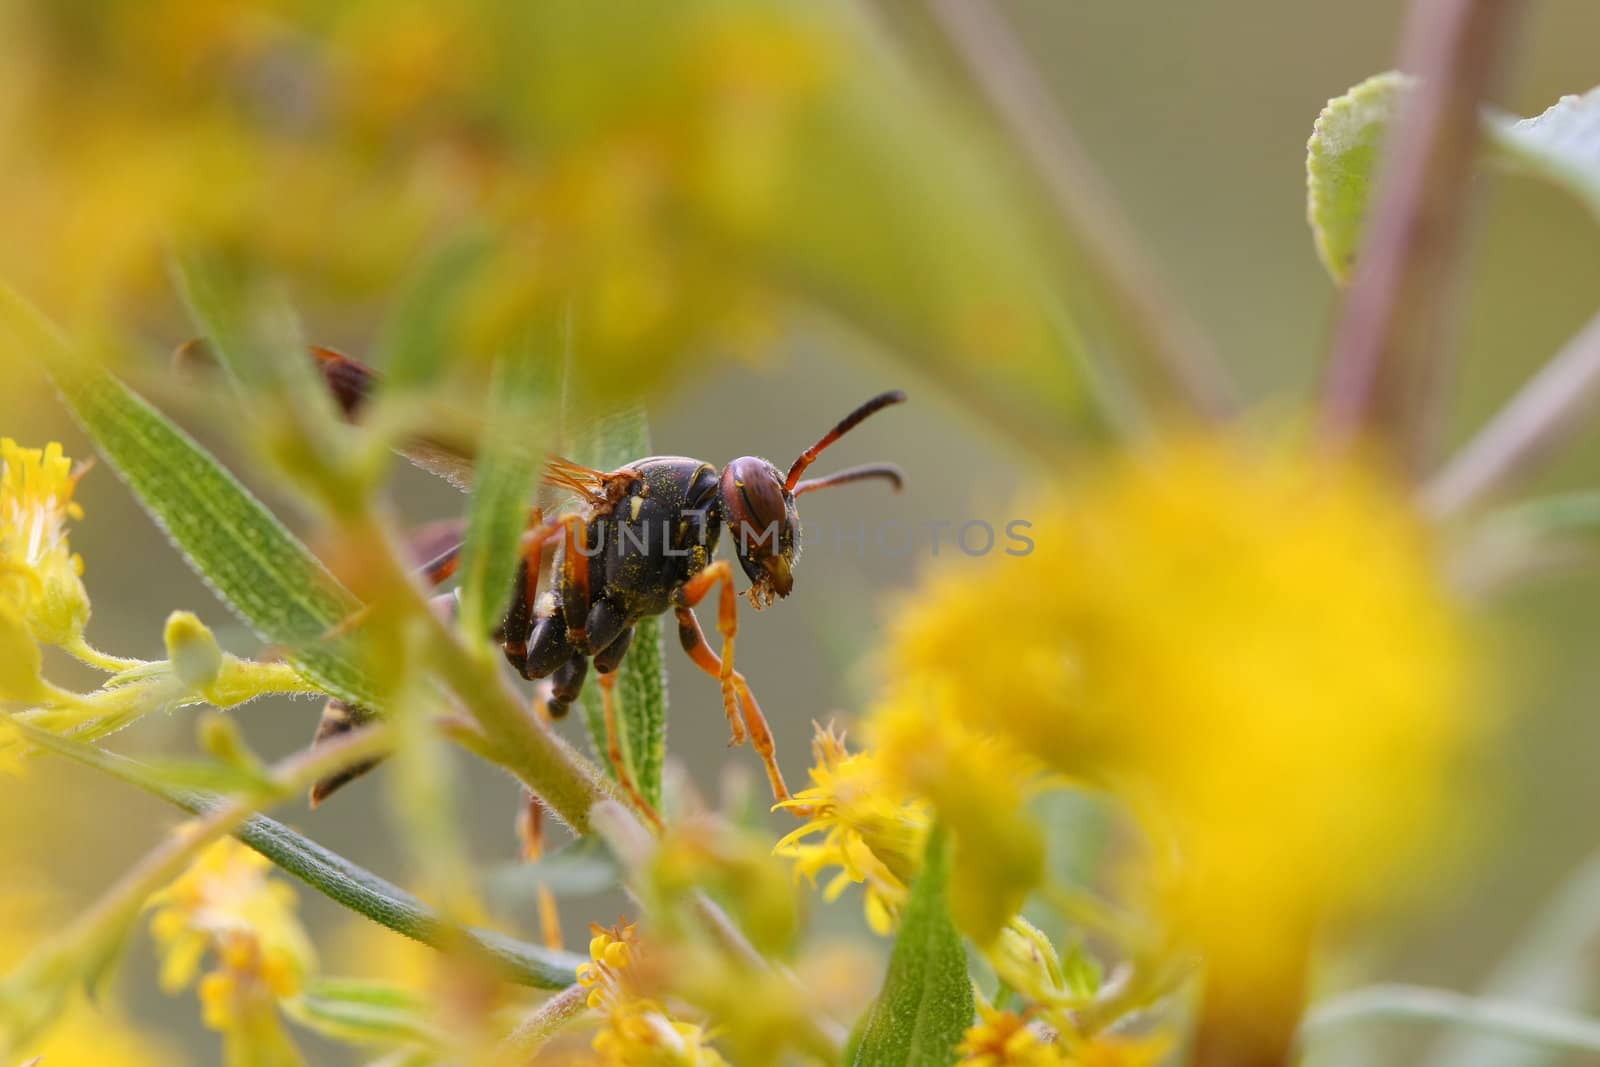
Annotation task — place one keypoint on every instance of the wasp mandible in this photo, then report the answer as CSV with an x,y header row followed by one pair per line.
x,y
641,543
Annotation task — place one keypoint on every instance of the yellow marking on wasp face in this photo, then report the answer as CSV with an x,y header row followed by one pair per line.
x,y
633,507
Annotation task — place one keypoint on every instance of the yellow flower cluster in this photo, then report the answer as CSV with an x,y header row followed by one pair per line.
x,y
1005,1039
85,1031
638,1032
1250,646
873,832
40,576
392,129
42,599
227,904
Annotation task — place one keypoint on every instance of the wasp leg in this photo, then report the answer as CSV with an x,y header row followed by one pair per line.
x,y
567,683
575,581
530,833
516,629
608,685
694,643
339,718
610,658
690,594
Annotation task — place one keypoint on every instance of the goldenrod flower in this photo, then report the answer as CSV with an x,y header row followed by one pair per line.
x,y
638,1031
20,662
1112,1050
40,577
977,783
83,1031
1004,1039
1251,646
226,904
871,830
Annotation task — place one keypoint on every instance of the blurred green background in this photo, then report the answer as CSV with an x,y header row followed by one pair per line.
x,y
1197,115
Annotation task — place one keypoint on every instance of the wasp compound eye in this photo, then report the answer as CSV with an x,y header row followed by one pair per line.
x,y
762,520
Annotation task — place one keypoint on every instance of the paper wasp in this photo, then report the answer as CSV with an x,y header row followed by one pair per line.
x,y
641,543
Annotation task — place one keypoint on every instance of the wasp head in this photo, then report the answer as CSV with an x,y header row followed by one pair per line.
x,y
764,524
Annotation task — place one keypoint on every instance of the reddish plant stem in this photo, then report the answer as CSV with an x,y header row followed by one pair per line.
x,y
1173,358
1554,406
1386,358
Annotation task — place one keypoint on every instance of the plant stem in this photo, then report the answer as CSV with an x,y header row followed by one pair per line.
x,y
330,874
567,784
1386,357
1547,411
93,935
541,1024
1174,356
634,846
1402,1003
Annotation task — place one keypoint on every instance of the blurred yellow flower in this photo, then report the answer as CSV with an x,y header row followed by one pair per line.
x,y
638,1031
977,783
1253,647
226,904
872,831
1004,1039
40,577
87,1032
20,663
1112,1050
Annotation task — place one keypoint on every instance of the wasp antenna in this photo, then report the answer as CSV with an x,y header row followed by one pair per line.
x,y
885,471
848,423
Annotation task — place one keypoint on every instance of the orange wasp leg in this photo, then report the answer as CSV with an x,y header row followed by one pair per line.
x,y
608,685
694,643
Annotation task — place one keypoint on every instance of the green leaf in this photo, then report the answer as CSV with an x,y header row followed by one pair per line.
x,y
244,553
332,875
1343,157
1552,965
641,693
926,1004
503,487
416,339
583,868
1341,166
1561,145
364,1012
255,340
1505,1019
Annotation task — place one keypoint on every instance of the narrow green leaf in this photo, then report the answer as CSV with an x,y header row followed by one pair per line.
x,y
1342,159
1509,1020
416,340
583,868
332,875
256,337
1552,965
926,1004
244,553
613,441
503,486
248,558
364,1012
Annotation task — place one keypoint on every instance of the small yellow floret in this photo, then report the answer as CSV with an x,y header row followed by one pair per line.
x,y
40,577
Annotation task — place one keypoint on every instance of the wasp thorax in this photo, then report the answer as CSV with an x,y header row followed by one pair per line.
x,y
762,520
